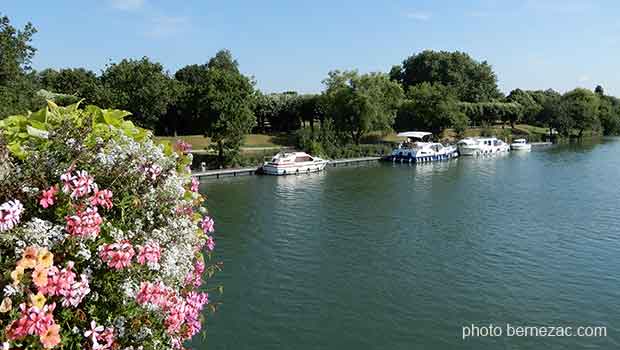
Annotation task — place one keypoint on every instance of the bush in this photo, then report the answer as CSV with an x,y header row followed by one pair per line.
x,y
101,234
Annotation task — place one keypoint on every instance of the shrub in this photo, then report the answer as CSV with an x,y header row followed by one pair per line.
x,y
101,234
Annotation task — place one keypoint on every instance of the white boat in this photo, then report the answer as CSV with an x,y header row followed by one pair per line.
x,y
520,145
418,148
293,163
473,146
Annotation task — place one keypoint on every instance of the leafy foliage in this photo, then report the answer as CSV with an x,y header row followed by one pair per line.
x,y
469,80
360,103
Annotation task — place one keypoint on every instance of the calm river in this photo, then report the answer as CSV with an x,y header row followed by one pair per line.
x,y
402,257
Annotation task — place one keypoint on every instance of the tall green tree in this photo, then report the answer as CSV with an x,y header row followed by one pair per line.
x,y
219,101
581,106
429,107
530,108
142,87
360,103
609,114
17,82
469,80
79,82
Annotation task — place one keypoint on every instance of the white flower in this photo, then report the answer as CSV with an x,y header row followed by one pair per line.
x,y
10,290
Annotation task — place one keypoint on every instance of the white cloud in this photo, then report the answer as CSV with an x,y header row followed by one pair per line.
x,y
419,16
127,5
166,26
583,78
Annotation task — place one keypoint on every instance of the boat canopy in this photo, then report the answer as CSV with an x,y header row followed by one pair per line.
x,y
520,141
414,134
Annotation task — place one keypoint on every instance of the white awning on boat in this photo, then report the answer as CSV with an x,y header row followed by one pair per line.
x,y
414,134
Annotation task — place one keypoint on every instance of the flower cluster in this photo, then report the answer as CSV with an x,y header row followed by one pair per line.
x,y
107,247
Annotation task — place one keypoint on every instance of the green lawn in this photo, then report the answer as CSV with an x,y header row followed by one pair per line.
x,y
200,142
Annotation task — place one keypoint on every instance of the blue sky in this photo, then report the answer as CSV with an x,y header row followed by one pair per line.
x,y
291,45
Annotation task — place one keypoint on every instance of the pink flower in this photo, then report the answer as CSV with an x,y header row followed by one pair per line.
x,y
79,186
150,252
151,171
102,198
195,184
210,243
10,214
207,224
117,255
180,310
183,147
84,223
195,277
32,321
74,295
48,197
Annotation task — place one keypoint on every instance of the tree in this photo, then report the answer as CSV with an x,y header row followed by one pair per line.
x,y
530,108
80,82
599,90
224,60
360,103
141,87
609,114
17,83
469,80
230,98
431,107
581,106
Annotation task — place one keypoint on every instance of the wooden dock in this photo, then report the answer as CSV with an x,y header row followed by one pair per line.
x,y
337,162
217,173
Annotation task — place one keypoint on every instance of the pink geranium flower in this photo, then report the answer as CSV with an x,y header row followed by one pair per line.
x,y
84,223
210,243
195,184
102,198
149,253
78,185
207,224
48,197
183,146
117,255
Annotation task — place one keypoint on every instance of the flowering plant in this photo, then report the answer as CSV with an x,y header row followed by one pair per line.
x,y
103,234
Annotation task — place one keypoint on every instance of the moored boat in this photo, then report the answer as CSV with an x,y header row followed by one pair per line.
x,y
285,163
473,146
520,145
418,149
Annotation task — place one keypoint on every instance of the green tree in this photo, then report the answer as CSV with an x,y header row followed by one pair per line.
x,y
530,108
360,103
581,106
470,81
80,82
609,114
230,98
17,82
431,107
141,87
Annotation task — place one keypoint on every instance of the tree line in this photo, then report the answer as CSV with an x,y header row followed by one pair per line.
x,y
430,90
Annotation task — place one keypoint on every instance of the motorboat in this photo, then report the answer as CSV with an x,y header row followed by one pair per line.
x,y
285,163
520,145
418,148
473,146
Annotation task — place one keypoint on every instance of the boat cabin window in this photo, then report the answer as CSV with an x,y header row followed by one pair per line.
x,y
303,159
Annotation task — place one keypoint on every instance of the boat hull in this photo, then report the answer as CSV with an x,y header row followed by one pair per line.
x,y
290,169
421,159
521,147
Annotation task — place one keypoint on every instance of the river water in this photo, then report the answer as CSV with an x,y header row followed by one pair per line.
x,y
389,256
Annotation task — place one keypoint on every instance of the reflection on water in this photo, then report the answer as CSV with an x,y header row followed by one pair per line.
x,y
399,256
